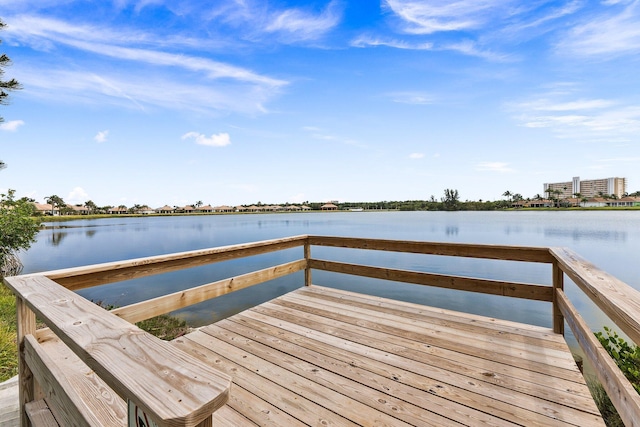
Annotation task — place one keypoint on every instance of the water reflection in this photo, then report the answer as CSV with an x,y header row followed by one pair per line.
x,y
56,237
584,234
452,231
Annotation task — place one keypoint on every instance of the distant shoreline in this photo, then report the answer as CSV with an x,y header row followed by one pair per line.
x,y
64,218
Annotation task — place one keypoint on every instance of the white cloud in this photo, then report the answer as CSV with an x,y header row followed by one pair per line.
x,y
11,126
77,195
140,91
299,25
101,136
494,167
615,33
216,140
416,155
583,119
366,41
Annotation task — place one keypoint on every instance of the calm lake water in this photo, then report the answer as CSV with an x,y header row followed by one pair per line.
x,y
609,239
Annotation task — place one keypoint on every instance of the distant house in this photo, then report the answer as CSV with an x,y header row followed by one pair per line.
x,y
595,202
223,208
329,207
293,208
146,210
166,209
46,209
188,209
539,204
305,208
204,209
79,210
624,202
240,208
120,210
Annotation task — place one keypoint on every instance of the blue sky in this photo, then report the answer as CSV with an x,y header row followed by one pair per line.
x,y
238,101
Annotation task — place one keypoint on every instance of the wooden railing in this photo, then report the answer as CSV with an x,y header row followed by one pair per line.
x,y
128,359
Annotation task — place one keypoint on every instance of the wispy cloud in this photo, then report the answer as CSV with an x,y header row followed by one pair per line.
x,y
101,136
415,98
372,41
216,140
583,119
415,156
12,125
616,31
500,167
422,17
321,134
105,72
298,24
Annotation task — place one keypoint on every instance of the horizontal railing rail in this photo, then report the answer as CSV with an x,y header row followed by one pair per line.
x,y
59,307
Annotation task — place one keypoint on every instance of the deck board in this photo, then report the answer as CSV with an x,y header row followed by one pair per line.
x,y
320,356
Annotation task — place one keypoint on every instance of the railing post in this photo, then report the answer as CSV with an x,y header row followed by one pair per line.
x,y
26,385
558,284
307,268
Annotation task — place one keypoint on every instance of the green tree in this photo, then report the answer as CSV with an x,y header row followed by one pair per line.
x,y
91,206
451,200
5,85
17,231
55,202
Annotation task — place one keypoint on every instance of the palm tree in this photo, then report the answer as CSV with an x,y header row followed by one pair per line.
x,y
55,201
2,165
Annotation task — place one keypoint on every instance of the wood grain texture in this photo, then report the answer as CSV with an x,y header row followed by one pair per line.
x,y
168,303
619,301
469,284
39,414
172,387
622,394
83,277
512,253
329,357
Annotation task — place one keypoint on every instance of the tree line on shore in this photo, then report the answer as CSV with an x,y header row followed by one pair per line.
x,y
450,201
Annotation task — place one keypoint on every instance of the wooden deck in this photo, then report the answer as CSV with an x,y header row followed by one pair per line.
x,y
320,356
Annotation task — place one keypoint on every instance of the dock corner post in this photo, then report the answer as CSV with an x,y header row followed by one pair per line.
x,y
26,384
307,268
558,284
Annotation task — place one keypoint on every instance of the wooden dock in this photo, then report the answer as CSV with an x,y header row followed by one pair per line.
x,y
319,356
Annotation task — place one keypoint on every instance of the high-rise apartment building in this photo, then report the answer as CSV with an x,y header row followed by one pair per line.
x,y
589,188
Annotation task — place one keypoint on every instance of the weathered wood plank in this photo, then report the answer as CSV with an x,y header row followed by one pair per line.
x,y
321,329
98,274
412,372
291,405
171,302
510,253
26,325
415,341
410,310
403,323
460,396
39,414
485,286
170,386
380,394
65,397
620,391
619,301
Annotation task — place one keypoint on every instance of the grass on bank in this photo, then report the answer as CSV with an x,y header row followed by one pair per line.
x,y
165,327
